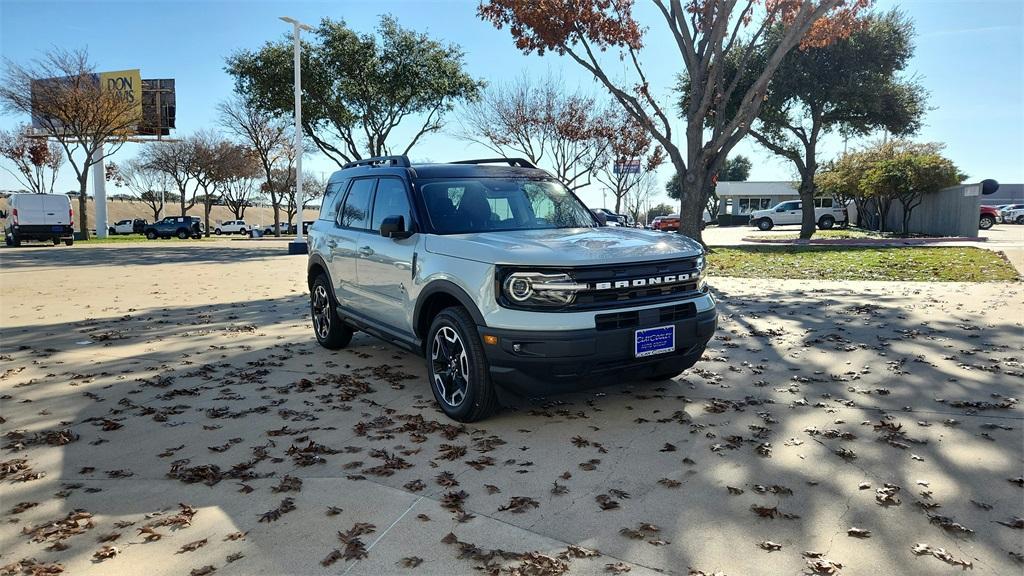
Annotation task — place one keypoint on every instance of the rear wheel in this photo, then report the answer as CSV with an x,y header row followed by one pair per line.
x,y
1019,220
112,231
826,222
457,367
765,224
182,234
330,332
986,222
243,232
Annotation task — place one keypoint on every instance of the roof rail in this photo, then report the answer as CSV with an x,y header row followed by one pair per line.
x,y
514,162
402,161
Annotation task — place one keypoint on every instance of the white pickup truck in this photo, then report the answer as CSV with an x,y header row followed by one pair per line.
x,y
791,212
232,227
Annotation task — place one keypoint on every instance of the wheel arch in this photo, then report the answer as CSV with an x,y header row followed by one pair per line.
x,y
437,296
316,267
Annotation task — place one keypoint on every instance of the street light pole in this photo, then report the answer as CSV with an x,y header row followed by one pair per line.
x,y
298,246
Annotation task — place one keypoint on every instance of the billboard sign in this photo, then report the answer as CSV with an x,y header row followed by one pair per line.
x,y
151,100
627,167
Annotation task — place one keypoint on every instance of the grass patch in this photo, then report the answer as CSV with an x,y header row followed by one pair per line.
x,y
127,239
832,233
918,264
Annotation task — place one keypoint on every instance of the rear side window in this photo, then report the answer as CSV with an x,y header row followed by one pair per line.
x,y
355,212
390,200
332,197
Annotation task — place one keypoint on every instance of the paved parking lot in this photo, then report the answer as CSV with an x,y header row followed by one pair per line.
x,y
173,395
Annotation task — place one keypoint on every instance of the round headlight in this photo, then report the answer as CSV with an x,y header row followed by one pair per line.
x,y
520,289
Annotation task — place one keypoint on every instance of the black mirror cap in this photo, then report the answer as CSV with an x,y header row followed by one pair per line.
x,y
394,227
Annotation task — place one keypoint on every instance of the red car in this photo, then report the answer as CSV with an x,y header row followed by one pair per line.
x,y
668,223
988,217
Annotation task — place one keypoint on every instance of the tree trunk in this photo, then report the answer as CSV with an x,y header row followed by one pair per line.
x,y
207,206
690,201
618,203
277,218
808,220
83,217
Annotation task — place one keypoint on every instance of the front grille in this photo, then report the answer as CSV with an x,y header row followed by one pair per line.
x,y
677,312
632,295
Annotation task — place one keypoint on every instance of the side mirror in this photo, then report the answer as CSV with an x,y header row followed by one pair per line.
x,y
394,227
779,210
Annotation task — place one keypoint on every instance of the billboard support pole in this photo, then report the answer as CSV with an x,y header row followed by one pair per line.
x,y
99,191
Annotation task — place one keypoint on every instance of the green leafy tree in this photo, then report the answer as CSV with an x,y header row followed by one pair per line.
x,y
658,210
852,86
358,88
888,172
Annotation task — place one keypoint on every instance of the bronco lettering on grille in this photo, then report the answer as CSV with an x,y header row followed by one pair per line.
x,y
645,282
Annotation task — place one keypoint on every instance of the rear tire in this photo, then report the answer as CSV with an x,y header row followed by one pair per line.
x,y
826,222
182,234
328,328
457,367
986,222
217,231
765,224
1019,220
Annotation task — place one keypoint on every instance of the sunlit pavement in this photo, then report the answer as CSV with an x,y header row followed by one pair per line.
x,y
820,407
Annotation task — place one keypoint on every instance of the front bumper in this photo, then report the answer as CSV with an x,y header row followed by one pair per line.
x,y
552,362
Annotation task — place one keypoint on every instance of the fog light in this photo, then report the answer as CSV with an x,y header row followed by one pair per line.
x,y
517,348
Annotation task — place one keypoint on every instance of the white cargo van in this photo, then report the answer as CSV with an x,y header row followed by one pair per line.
x,y
44,217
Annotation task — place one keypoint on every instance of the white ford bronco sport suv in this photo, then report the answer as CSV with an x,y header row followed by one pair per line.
x,y
503,280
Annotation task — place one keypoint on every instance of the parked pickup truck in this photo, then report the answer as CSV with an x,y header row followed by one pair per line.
x,y
826,214
183,227
136,226
503,280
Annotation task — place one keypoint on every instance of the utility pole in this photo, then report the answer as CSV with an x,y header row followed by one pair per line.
x,y
298,246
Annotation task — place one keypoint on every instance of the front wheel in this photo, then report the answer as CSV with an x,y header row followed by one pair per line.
x,y
243,232
217,231
183,234
112,231
826,222
1019,220
457,367
986,222
151,234
765,224
328,328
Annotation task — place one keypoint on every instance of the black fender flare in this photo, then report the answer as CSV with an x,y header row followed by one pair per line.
x,y
451,289
317,260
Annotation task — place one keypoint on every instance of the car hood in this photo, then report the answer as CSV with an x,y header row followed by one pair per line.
x,y
761,213
564,247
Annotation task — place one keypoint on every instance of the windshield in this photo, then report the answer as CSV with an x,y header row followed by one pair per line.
x,y
493,204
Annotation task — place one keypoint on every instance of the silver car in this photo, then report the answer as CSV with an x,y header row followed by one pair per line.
x,y
503,280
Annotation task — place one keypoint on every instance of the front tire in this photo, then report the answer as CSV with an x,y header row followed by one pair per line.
x,y
826,222
1019,220
112,231
330,332
765,224
183,234
457,367
986,222
150,234
217,231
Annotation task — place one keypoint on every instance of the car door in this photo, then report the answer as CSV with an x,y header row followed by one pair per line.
x,y
384,267
341,240
791,214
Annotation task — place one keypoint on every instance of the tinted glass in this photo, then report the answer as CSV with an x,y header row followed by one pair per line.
x,y
493,204
332,196
356,211
390,200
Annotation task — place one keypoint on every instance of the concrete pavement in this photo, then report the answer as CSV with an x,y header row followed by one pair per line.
x,y
813,397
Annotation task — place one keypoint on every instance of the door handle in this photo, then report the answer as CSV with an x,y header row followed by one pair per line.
x,y
365,251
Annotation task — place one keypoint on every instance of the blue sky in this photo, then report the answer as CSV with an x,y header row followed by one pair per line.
x,y
970,56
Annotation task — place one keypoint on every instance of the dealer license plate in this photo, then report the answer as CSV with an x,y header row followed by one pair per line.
x,y
651,341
